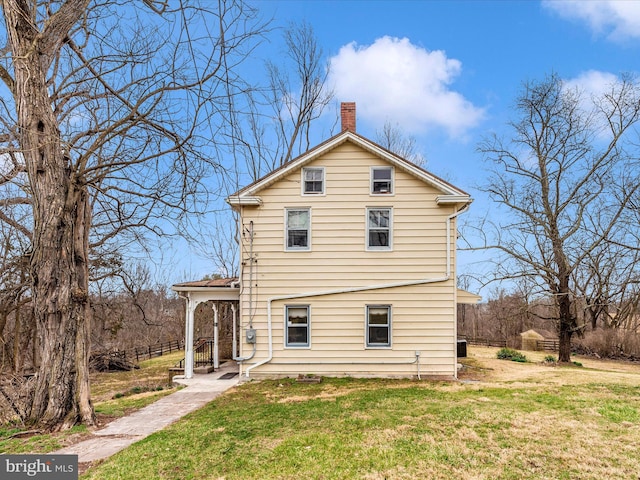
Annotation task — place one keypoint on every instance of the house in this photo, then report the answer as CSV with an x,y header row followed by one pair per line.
x,y
348,266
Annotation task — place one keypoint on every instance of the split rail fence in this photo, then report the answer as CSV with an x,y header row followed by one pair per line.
x,y
151,351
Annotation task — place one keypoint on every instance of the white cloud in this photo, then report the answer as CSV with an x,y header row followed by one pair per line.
x,y
392,79
592,86
617,19
592,83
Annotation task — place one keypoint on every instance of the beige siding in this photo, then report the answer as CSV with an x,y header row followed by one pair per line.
x,y
423,316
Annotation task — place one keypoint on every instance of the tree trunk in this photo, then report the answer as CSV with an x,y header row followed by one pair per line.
x,y
61,222
60,271
17,364
567,321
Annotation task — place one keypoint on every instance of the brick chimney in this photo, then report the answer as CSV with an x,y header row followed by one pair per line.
x,y
348,116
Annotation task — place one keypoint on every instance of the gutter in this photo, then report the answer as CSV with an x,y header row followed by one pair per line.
x,y
408,283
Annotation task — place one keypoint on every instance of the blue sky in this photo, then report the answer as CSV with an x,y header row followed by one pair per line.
x,y
448,72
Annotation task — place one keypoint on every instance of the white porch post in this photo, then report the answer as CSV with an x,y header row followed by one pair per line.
x,y
188,341
235,319
216,363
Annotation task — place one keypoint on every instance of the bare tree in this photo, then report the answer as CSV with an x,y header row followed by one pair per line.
x,y
563,181
608,284
273,125
392,138
269,126
141,313
111,118
299,101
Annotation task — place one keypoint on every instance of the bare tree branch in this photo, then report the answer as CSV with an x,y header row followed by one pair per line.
x,y
562,179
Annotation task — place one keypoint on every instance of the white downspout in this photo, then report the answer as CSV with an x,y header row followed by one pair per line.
x,y
425,281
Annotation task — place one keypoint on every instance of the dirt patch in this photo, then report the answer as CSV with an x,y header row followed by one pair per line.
x,y
482,365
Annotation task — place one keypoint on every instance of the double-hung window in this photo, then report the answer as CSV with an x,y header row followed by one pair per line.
x,y
298,228
313,181
381,180
297,331
378,325
379,231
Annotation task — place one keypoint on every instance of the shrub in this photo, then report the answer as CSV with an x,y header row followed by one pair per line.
x,y
549,359
609,343
511,354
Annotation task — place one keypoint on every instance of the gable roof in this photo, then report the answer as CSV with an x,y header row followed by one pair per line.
x,y
248,194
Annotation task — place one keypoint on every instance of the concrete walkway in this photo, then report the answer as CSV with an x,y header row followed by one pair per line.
x,y
121,433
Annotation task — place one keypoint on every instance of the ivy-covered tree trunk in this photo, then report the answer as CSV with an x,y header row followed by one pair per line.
x,y
61,222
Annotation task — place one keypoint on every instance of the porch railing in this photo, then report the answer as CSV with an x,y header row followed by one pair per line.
x,y
202,353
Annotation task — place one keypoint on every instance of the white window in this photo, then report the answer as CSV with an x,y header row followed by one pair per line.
x,y
297,331
313,181
381,180
378,325
379,228
298,229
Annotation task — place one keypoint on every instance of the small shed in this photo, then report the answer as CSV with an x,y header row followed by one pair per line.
x,y
532,339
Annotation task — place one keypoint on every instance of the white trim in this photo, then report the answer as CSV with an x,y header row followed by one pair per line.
x,y
453,199
302,182
287,248
204,294
239,200
369,248
392,181
285,335
439,184
367,343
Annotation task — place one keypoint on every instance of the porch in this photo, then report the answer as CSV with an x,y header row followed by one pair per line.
x,y
205,351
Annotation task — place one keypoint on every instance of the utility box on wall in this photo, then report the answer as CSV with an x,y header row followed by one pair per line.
x,y
250,335
462,348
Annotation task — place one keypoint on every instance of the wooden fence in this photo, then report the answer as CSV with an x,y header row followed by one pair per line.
x,y
151,351
548,345
485,342
541,345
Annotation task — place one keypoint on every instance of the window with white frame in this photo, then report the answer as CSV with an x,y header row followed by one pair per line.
x,y
313,181
379,230
298,228
378,325
297,331
381,180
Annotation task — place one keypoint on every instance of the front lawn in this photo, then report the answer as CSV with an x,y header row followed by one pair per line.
x,y
114,394
505,420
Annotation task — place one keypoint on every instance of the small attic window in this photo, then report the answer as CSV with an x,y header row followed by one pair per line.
x,y
313,181
381,180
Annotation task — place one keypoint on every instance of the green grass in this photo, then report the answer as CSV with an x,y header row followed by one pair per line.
x,y
376,429
513,421
40,443
114,394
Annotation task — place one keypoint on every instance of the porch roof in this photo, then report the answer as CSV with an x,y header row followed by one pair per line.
x,y
468,298
216,289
